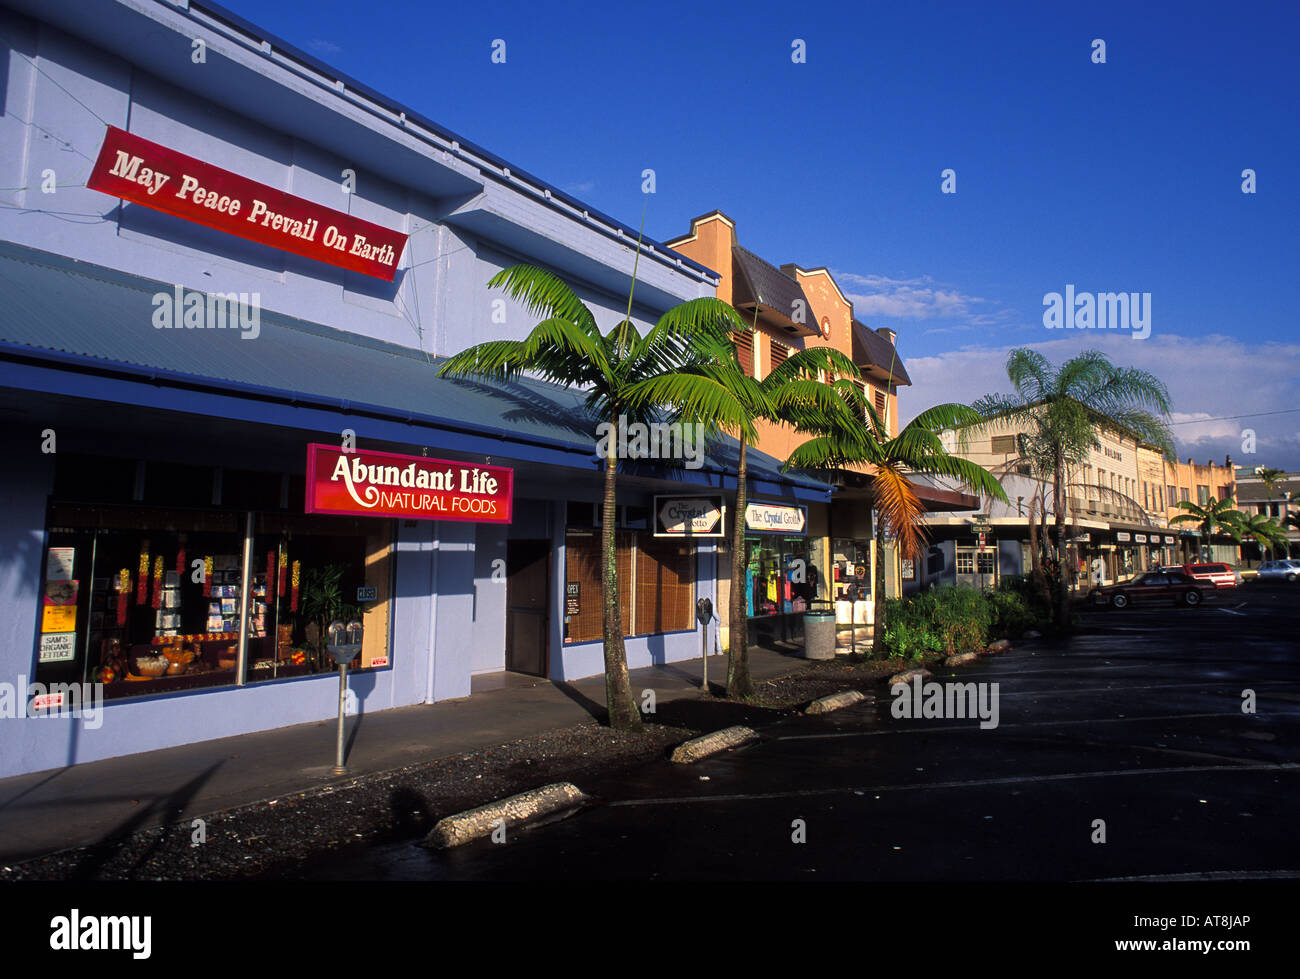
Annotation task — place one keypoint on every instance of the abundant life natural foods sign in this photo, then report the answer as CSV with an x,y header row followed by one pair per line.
x,y
146,173
382,484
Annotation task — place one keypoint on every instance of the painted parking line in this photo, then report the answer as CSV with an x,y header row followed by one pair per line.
x,y
1070,691
1204,875
1287,767
1232,611
1001,727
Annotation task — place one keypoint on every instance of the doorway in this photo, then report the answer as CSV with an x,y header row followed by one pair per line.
x,y
528,574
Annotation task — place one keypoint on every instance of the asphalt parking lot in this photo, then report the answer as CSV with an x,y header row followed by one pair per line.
x,y
1132,732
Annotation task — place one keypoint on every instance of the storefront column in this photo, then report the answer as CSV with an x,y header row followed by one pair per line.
x,y
454,596
414,612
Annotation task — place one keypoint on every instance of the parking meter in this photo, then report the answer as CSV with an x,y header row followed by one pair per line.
x,y
704,611
344,644
704,614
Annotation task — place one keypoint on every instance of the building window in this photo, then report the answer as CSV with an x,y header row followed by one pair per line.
x,y
656,583
1003,444
665,585
780,352
1183,495
882,406
745,351
1202,495
965,561
1173,496
582,567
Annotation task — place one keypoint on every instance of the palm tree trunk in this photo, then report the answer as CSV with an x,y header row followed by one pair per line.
x,y
739,683
623,713
1035,558
878,613
1063,597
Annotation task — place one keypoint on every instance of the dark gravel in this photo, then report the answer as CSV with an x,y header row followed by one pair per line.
x,y
272,837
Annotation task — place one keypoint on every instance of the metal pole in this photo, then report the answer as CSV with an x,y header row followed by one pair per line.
x,y
704,649
339,768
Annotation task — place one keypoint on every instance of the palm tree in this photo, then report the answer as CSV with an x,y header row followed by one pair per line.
x,y
717,392
1265,530
567,348
1214,515
1063,409
840,440
1292,520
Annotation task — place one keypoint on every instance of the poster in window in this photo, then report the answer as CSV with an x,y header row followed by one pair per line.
x,y
909,570
572,598
59,612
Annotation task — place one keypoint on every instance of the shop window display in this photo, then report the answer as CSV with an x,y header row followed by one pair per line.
x,y
780,576
149,600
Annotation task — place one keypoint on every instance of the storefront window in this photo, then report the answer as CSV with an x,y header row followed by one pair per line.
x,y
852,567
656,581
781,577
142,600
309,571
149,600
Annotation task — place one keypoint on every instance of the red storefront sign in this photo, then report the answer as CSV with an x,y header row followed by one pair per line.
x,y
381,484
146,173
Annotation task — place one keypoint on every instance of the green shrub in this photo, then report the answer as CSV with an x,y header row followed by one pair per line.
x,y
947,620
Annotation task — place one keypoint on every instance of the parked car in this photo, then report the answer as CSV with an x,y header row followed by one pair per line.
x,y
1222,575
1164,585
1287,570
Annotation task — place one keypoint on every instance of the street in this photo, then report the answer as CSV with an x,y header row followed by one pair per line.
x,y
1137,722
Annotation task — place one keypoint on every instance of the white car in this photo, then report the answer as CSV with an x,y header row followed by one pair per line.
x,y
1288,570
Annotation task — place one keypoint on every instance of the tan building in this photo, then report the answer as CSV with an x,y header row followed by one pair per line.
x,y
1114,529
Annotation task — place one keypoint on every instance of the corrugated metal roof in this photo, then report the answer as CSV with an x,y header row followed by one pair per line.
x,y
51,305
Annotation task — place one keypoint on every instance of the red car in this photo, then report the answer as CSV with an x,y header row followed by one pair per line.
x,y
1155,586
1222,575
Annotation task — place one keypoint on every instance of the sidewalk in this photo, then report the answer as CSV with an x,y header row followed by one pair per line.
x,y
84,804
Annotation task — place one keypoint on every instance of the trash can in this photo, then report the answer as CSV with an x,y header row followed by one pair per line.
x,y
819,632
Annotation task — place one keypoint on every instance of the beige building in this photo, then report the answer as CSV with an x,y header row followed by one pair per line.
x,y
1114,527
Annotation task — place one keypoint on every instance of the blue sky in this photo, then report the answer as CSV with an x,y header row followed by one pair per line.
x,y
1123,176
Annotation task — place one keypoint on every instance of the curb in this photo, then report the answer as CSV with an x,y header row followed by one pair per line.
x,y
835,701
452,831
906,677
710,744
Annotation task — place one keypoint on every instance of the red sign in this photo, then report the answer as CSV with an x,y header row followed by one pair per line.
x,y
137,170
381,484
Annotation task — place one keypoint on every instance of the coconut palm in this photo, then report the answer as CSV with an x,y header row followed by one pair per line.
x,y
840,440
1215,515
717,392
567,348
1063,409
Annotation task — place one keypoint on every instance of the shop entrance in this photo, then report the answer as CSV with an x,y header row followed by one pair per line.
x,y
527,620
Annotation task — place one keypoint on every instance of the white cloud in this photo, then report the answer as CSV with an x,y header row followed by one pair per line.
x,y
917,298
1208,378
